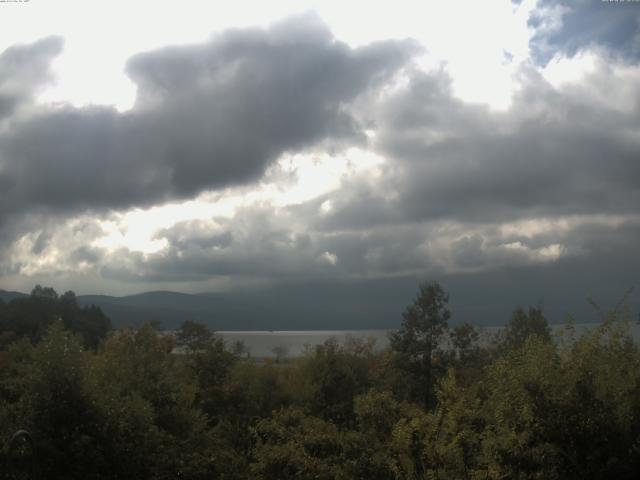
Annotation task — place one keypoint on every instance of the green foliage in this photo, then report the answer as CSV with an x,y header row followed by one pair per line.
x,y
255,391
210,367
464,341
567,413
193,336
377,413
30,317
293,444
522,325
330,377
529,407
418,340
467,354
50,399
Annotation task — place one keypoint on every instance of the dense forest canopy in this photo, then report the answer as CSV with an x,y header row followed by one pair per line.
x,y
32,315
120,404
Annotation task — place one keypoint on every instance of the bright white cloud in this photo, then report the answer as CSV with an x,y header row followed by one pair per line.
x,y
294,179
472,38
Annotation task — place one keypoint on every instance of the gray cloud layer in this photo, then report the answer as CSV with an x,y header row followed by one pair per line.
x,y
554,152
569,26
457,173
206,116
451,201
24,69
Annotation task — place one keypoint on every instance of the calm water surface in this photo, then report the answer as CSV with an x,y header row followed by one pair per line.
x,y
293,343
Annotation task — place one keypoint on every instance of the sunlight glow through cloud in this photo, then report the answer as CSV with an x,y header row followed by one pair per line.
x,y
452,33
308,176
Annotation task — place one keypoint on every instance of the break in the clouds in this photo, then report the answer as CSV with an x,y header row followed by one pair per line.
x,y
282,156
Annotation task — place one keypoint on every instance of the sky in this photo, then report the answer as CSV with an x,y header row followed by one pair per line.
x,y
219,146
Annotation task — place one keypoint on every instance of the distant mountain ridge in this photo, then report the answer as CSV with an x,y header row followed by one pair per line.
x,y
350,304
6,296
291,307
170,309
270,309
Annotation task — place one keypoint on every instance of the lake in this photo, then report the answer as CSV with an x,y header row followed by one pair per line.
x,y
293,342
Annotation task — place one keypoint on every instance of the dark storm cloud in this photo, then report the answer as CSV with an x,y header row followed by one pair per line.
x,y
86,254
603,267
376,273
456,173
195,233
24,69
570,26
254,243
206,116
41,243
229,108
271,245
554,152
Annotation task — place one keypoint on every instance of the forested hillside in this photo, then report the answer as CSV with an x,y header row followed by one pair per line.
x,y
101,404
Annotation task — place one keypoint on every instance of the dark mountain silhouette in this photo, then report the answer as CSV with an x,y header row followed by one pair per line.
x,y
284,307
483,299
6,296
291,307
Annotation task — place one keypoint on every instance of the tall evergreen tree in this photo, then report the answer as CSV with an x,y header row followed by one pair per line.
x,y
417,341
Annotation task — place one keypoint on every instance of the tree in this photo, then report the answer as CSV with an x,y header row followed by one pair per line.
x,y
210,367
31,316
280,351
330,377
294,445
569,412
149,424
44,292
50,400
523,324
464,340
466,355
417,341
239,349
194,336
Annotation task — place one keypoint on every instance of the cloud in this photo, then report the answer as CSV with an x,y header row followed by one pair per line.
x,y
86,255
556,151
463,189
207,116
24,70
570,26
504,207
199,234
489,268
255,243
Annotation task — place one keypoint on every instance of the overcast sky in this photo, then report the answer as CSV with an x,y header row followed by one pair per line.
x,y
214,146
